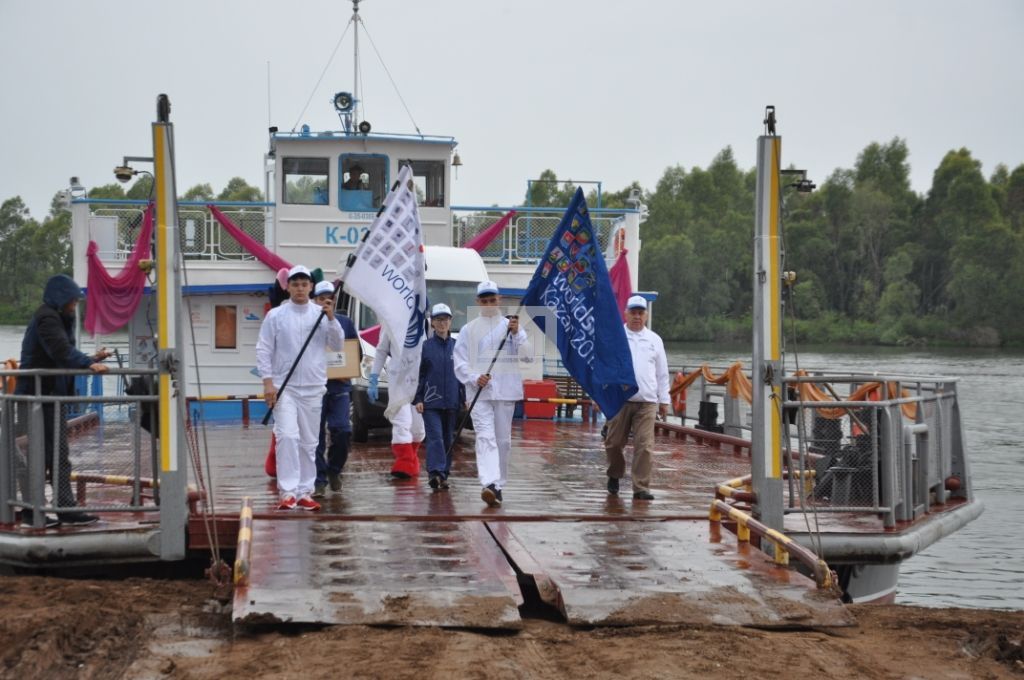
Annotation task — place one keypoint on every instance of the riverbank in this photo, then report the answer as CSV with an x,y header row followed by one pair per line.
x,y
145,628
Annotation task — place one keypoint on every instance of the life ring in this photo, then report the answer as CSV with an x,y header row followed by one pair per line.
x,y
678,393
11,365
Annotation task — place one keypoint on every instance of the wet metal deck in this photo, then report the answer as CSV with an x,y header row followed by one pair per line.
x,y
389,552
417,573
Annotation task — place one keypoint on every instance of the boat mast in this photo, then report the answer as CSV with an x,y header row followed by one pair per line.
x,y
766,434
355,63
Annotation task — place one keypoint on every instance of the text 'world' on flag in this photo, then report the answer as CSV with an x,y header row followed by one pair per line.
x,y
387,272
572,282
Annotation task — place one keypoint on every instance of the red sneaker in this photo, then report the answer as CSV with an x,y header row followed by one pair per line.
x,y
287,503
307,503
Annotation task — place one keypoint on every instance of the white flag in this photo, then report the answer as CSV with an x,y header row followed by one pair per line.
x,y
388,273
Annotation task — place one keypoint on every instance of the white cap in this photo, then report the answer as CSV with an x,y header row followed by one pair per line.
x,y
487,288
323,287
299,270
441,309
636,302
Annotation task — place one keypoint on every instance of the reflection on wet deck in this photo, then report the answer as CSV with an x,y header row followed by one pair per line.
x,y
395,552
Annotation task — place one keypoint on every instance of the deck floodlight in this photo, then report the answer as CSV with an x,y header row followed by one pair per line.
x,y
343,102
75,185
365,127
124,173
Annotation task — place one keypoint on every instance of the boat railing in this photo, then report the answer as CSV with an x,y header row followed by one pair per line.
x,y
885,445
107,451
114,225
526,237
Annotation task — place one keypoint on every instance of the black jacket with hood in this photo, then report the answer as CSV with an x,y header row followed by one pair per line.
x,y
50,339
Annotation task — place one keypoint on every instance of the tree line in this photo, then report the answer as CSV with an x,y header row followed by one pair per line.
x,y
876,262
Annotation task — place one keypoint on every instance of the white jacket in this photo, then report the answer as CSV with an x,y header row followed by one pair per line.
x,y
476,346
650,366
282,334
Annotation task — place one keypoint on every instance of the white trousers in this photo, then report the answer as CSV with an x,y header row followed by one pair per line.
x,y
296,426
492,422
407,426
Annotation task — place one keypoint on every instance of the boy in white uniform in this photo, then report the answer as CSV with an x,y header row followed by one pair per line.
x,y
297,408
500,389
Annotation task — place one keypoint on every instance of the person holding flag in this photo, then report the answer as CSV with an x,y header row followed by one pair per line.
x,y
387,271
572,282
638,415
486,360
292,348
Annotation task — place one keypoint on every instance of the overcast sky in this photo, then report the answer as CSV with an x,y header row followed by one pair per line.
x,y
610,90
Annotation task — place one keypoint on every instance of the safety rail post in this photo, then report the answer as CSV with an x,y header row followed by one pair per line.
x,y
36,461
243,551
7,458
784,546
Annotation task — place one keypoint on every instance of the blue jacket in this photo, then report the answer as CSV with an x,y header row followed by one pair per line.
x,y
438,387
50,339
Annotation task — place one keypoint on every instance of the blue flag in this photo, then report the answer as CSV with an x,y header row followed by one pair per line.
x,y
572,282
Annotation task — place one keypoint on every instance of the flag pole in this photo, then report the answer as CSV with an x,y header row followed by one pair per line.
x,y
476,396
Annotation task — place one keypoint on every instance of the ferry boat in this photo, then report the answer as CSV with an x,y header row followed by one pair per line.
x,y
845,475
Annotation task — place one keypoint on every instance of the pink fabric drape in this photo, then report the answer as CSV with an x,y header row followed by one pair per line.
x,y
111,301
619,274
267,257
485,237
371,334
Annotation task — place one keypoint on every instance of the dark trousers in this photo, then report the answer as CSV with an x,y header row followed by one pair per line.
x,y
440,432
335,423
55,448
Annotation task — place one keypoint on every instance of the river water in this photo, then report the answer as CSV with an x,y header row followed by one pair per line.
x,y
981,565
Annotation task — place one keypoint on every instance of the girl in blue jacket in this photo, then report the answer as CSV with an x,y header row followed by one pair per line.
x,y
439,396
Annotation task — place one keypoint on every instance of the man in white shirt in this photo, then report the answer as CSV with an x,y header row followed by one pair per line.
x,y
499,389
297,407
650,366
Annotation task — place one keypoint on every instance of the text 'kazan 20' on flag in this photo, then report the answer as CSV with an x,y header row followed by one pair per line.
x,y
387,272
572,282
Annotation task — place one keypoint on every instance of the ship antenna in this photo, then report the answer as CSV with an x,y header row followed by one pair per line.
x,y
393,83
326,66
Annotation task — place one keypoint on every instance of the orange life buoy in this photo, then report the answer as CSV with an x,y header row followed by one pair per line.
x,y
856,429
678,393
11,365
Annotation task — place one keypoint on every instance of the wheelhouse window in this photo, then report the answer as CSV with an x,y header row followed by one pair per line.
x,y
363,182
305,180
428,176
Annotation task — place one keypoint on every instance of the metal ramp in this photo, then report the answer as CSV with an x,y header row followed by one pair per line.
x,y
423,572
638,573
438,573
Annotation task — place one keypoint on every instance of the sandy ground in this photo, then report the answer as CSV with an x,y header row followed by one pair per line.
x,y
143,628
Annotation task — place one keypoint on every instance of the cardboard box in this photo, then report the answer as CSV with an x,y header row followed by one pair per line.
x,y
344,364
